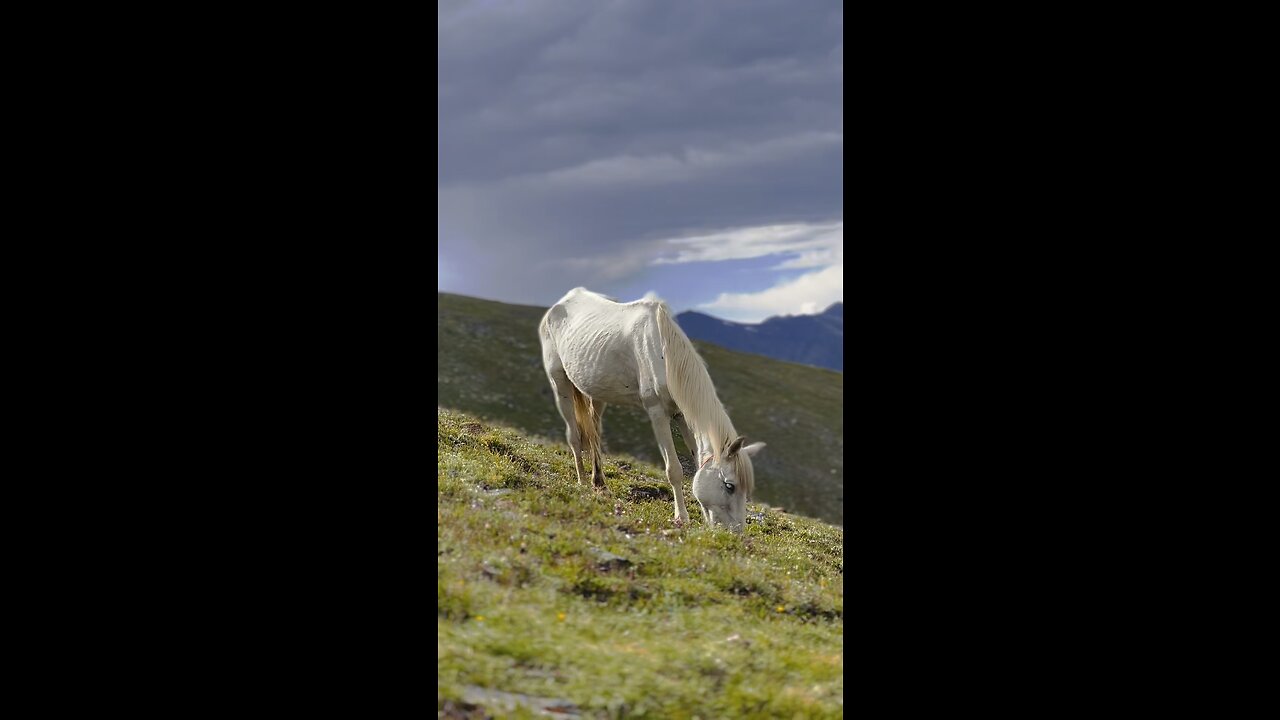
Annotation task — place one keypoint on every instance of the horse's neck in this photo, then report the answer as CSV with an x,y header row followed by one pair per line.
x,y
703,431
704,446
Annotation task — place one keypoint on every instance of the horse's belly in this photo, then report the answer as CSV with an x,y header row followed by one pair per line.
x,y
616,398
607,384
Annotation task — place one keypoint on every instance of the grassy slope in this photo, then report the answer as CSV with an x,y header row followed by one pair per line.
x,y
702,623
490,364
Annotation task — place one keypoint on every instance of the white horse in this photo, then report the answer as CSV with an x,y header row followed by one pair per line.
x,y
598,351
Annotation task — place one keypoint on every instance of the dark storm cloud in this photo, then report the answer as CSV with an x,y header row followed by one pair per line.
x,y
574,135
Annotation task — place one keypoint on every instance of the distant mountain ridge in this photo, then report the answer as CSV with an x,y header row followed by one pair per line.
x,y
808,339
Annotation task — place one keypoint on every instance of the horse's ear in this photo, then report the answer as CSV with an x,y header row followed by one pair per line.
x,y
753,448
735,446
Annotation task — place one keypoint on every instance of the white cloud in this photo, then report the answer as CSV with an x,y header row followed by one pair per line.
x,y
805,295
814,244
823,257
816,247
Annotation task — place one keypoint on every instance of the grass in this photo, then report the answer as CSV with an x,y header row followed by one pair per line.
x,y
549,589
490,365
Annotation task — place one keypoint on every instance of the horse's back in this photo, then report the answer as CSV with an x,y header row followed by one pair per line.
x,y
583,296
596,313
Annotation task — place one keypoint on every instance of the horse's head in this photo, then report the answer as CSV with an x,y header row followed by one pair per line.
x,y
721,486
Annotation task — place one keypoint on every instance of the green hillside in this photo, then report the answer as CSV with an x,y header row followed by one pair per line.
x,y
490,364
552,595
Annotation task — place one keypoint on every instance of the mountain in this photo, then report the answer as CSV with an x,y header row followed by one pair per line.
x,y
490,365
808,339
576,603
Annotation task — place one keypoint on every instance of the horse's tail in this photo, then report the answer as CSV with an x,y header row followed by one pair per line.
x,y
584,414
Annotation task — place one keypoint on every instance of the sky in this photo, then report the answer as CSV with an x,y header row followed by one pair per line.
x,y
694,149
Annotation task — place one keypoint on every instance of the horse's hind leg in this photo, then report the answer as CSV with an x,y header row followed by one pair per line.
x,y
597,460
563,390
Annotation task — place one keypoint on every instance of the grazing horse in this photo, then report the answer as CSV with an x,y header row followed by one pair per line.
x,y
597,351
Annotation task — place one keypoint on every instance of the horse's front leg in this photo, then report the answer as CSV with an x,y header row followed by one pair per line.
x,y
675,474
691,442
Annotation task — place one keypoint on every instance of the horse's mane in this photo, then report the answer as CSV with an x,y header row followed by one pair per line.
x,y
691,388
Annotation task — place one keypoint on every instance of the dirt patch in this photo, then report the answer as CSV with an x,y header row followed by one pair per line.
x,y
649,493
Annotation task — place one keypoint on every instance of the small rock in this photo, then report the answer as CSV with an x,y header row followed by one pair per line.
x,y
606,560
508,702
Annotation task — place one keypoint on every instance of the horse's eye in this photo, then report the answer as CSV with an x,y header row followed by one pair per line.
x,y
729,486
